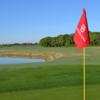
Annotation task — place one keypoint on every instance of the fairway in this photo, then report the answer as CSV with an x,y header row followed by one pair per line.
x,y
59,79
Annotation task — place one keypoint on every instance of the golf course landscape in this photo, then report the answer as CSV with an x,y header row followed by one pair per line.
x,y
49,50
59,78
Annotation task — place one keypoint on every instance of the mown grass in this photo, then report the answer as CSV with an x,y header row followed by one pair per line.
x,y
40,78
61,93
47,82
61,79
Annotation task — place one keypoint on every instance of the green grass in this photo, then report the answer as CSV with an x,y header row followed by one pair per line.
x,y
46,83
61,79
62,93
40,78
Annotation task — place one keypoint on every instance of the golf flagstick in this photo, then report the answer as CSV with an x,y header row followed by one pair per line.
x,y
84,74
82,40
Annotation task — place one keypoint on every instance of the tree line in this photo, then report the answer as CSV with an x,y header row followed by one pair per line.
x,y
59,41
18,44
67,40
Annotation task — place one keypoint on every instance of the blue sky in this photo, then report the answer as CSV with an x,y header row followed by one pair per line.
x,y
30,20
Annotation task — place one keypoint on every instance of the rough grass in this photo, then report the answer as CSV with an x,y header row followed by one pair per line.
x,y
69,55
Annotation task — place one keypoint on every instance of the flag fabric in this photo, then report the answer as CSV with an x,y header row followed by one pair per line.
x,y
81,35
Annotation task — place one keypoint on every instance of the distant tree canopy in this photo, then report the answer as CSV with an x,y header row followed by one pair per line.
x,y
59,41
19,44
67,40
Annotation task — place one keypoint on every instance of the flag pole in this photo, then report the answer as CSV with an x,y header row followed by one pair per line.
x,y
84,74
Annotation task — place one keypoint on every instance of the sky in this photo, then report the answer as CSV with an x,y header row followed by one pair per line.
x,y
30,20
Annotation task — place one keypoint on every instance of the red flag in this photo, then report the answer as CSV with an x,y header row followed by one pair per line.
x,y
81,36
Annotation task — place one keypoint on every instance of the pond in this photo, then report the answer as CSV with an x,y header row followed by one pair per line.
x,y
8,60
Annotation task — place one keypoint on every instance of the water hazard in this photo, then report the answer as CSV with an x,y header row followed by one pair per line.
x,y
8,60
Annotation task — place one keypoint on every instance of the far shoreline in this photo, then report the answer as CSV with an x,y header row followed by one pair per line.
x,y
46,56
